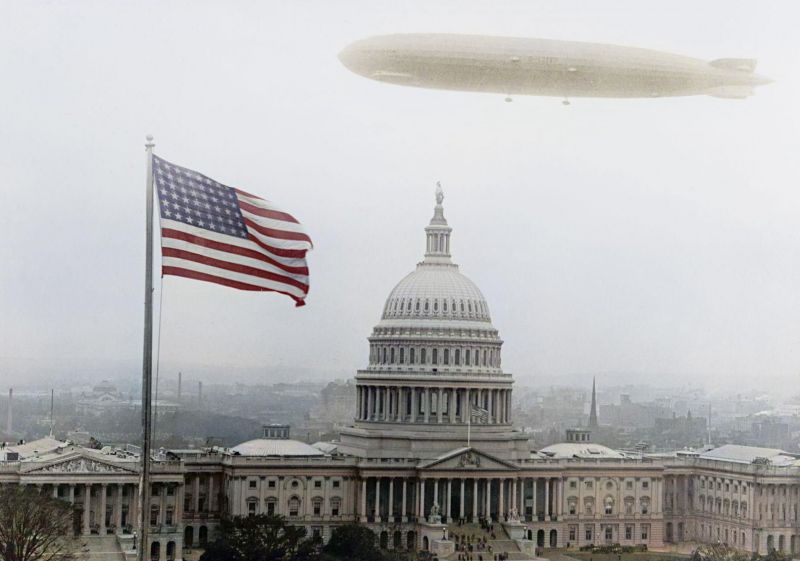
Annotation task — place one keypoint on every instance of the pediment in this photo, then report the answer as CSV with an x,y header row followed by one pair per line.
x,y
80,464
468,459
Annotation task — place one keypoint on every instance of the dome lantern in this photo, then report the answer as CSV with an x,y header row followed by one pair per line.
x,y
438,233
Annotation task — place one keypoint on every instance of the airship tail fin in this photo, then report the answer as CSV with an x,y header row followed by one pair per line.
x,y
731,92
740,64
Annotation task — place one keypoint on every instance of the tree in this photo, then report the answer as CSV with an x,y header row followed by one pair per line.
x,y
261,538
718,552
34,527
352,542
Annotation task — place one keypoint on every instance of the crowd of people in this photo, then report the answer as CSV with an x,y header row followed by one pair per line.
x,y
477,548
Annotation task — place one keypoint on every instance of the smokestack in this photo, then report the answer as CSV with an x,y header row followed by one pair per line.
x,y
9,424
180,383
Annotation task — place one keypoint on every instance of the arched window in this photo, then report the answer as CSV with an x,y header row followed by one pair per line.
x,y
391,355
427,306
462,306
458,357
402,355
383,355
444,306
466,357
435,356
294,506
436,306
417,306
411,357
447,356
484,357
423,356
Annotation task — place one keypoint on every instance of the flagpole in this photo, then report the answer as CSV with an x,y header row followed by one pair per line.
x,y
147,363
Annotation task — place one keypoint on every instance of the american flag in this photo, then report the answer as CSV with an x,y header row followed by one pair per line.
x,y
481,414
215,233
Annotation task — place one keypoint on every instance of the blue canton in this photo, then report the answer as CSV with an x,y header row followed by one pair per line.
x,y
194,199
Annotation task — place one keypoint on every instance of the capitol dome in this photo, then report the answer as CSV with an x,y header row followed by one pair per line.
x,y
434,379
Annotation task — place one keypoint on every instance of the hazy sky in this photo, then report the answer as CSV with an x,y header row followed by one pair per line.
x,y
654,240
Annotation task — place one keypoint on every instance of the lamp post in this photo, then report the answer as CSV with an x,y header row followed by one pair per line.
x,y
134,540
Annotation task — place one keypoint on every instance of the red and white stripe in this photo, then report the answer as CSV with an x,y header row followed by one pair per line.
x,y
273,258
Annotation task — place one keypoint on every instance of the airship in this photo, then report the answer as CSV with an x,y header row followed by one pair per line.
x,y
545,67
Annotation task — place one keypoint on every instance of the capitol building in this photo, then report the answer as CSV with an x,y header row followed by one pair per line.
x,y
432,444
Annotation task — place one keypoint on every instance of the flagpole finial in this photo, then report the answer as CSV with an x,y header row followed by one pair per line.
x,y
149,143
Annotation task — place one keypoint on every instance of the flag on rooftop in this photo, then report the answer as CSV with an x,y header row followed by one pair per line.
x,y
220,234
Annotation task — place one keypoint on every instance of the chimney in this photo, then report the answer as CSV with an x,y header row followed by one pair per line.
x,y
9,424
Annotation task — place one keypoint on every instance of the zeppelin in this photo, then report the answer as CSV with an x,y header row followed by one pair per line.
x,y
545,67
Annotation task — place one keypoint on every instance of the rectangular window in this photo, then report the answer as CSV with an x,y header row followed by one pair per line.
x,y
609,533
336,484
645,532
573,484
629,484
251,509
628,531
573,533
318,484
589,484
271,508
271,483
317,508
588,533
645,484
253,484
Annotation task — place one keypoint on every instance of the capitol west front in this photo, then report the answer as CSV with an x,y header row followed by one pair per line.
x,y
432,442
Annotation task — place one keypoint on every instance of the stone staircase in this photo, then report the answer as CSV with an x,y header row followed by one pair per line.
x,y
502,543
99,548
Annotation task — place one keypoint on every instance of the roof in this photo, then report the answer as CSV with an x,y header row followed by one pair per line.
x,y
275,447
739,454
40,447
579,450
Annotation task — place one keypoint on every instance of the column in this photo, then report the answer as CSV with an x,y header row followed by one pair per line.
x,y
422,499
162,510
514,494
414,404
386,404
436,493
391,499
474,499
363,512
102,521
535,512
560,498
133,503
449,499
452,404
55,490
118,509
180,491
492,415
369,404
87,506
401,404
404,514
488,499
439,405
501,503
461,501
210,499
72,494
196,494
547,498
427,405
377,499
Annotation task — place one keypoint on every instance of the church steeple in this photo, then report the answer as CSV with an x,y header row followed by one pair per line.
x,y
437,233
593,412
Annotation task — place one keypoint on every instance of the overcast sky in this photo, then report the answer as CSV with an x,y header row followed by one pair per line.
x,y
646,240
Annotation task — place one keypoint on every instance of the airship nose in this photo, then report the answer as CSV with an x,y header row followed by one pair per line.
x,y
353,57
762,80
